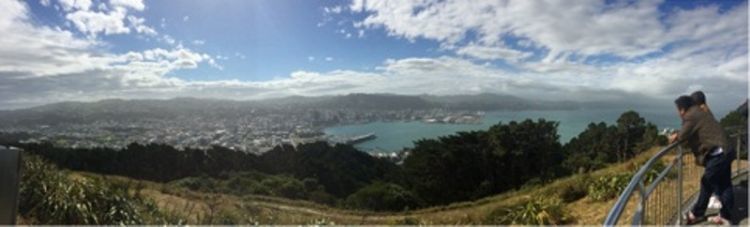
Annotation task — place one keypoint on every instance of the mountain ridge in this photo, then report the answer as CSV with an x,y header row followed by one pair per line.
x,y
124,109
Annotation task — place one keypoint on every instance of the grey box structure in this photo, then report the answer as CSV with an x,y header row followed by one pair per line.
x,y
10,176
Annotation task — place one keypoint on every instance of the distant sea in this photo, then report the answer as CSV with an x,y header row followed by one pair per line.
x,y
394,136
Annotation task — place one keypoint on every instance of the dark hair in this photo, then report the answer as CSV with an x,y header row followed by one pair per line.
x,y
684,102
698,98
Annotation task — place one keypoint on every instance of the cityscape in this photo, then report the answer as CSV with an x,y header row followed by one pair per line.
x,y
256,132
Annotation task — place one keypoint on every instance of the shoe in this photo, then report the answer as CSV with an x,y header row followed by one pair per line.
x,y
689,218
714,203
719,220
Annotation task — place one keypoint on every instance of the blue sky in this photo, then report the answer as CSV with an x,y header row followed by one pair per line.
x,y
262,39
593,50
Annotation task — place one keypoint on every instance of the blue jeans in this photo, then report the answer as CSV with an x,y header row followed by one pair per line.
x,y
717,179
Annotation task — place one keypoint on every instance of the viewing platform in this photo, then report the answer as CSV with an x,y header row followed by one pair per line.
x,y
663,199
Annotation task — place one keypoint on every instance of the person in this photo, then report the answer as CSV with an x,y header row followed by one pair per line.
x,y
708,142
699,99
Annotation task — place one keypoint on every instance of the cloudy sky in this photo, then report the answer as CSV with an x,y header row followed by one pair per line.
x,y
85,50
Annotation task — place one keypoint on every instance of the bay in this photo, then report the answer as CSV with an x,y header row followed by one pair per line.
x,y
394,136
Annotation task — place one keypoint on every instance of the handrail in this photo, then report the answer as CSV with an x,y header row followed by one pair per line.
x,y
637,182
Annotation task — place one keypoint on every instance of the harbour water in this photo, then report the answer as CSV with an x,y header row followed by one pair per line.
x,y
394,136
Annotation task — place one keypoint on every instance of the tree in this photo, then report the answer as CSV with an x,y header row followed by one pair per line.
x,y
630,129
471,165
591,149
600,144
341,169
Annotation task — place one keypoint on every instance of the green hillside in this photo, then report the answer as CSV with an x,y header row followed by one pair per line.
x,y
159,203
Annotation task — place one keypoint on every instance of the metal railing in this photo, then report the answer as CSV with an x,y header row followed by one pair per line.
x,y
660,200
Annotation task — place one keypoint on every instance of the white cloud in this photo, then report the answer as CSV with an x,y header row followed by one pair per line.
x,y
93,23
587,27
40,64
665,52
185,18
215,65
329,59
102,7
30,51
133,4
492,52
104,19
333,10
310,58
69,5
138,25
199,42
239,55
45,2
168,39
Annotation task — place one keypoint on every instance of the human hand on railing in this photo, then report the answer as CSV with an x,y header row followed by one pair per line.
x,y
672,138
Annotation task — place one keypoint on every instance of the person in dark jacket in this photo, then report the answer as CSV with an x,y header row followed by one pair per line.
x,y
699,99
708,142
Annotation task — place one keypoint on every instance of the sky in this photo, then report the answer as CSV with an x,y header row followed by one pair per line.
x,y
586,50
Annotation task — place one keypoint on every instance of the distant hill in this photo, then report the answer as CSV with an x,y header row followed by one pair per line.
x,y
123,110
489,102
356,101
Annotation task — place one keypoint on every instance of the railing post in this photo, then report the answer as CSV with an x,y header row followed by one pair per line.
x,y
737,151
10,165
644,198
679,186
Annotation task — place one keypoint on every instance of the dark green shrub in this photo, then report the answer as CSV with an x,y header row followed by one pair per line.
x,y
381,196
408,221
197,183
608,187
575,190
538,211
285,187
655,170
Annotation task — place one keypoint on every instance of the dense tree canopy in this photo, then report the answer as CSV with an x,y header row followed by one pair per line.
x,y
471,165
341,169
601,144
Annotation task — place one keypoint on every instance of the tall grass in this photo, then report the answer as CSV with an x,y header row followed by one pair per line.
x,y
51,196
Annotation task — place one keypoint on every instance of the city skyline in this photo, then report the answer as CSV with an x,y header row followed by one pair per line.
x,y
83,50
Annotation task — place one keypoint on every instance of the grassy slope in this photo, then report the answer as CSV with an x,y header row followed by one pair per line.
x,y
200,207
